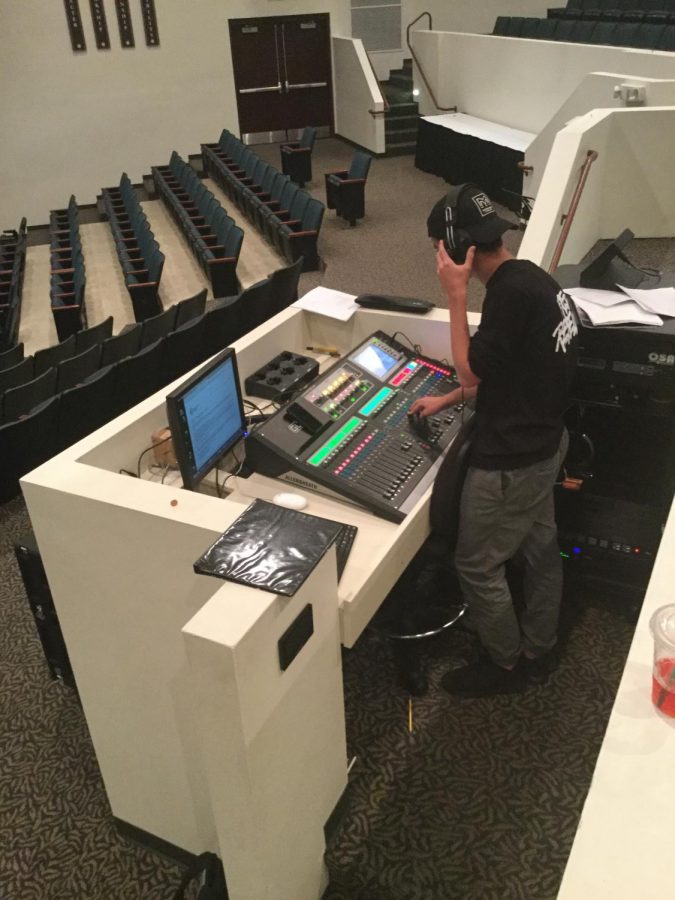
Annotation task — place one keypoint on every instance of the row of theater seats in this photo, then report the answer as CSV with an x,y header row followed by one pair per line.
x,y
640,35
213,236
68,279
287,216
657,11
32,379
138,252
12,267
131,366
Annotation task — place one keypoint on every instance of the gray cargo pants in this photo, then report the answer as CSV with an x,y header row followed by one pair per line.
x,y
502,513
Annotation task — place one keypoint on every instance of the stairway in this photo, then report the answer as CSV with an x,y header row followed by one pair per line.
x,y
400,120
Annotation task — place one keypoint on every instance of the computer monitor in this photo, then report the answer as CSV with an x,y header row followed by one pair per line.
x,y
206,417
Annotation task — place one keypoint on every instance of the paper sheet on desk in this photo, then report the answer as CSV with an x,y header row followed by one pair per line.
x,y
626,313
593,295
656,300
335,304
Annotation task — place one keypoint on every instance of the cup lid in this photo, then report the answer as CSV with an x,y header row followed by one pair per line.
x,y
662,624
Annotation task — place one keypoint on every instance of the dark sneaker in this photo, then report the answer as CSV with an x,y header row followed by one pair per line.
x,y
483,679
538,669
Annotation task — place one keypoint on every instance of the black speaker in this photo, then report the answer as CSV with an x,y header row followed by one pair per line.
x,y
42,607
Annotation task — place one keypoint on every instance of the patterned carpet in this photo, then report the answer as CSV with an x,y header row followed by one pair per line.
x,y
481,800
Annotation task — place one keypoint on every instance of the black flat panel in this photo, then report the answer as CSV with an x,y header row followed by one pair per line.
x,y
150,23
74,19
100,24
124,23
295,637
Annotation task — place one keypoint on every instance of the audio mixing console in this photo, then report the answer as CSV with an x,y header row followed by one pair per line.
x,y
349,433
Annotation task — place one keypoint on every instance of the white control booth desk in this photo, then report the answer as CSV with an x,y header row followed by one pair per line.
x,y
202,741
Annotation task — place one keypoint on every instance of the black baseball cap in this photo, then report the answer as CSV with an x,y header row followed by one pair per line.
x,y
474,214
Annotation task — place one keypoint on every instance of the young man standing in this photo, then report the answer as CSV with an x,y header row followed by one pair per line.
x,y
519,366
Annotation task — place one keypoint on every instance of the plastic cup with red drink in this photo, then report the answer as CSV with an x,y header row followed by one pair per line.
x,y
662,624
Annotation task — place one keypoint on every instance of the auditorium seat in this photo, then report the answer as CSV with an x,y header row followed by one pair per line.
x,y
345,189
20,401
185,349
514,26
223,326
139,376
11,357
529,27
296,157
547,29
86,407
624,34
602,33
94,335
159,326
126,343
78,368
299,239
26,444
16,375
284,286
501,25
667,39
648,35
52,356
190,308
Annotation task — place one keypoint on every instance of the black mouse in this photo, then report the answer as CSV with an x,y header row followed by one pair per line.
x,y
420,425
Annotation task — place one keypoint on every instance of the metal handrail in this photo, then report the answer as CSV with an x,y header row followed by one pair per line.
x,y
417,62
568,217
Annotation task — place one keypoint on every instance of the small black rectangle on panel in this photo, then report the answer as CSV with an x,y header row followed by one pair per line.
x,y
100,24
150,23
295,637
75,29
124,23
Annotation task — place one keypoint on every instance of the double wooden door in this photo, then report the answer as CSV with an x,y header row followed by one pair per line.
x,y
282,72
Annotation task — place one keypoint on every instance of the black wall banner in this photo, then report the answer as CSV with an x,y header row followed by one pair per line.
x,y
150,23
100,24
74,19
124,23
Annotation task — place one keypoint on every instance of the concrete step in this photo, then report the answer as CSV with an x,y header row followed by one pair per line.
x,y
401,149
405,136
401,123
396,110
401,80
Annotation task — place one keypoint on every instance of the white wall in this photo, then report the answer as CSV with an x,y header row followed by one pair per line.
x,y
72,122
630,185
358,93
594,92
518,82
453,15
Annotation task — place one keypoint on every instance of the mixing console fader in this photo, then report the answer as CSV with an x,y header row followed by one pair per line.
x,y
349,432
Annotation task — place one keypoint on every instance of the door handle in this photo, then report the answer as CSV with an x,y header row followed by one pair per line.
x,y
261,90
309,84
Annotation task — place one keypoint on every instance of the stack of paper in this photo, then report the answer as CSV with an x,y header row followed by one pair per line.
x,y
327,302
627,306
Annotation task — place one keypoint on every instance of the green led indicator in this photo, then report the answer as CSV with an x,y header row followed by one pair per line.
x,y
337,439
376,400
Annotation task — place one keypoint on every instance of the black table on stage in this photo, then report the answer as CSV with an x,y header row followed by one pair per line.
x,y
459,158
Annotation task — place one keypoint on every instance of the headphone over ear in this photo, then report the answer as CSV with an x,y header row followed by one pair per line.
x,y
457,240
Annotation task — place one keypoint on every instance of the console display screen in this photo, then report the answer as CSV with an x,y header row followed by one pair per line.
x,y
375,359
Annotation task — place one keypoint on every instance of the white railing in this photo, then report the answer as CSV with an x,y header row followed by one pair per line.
x,y
359,104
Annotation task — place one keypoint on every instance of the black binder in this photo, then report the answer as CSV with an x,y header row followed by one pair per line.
x,y
269,547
